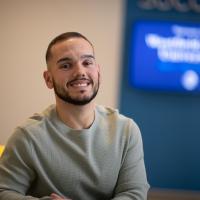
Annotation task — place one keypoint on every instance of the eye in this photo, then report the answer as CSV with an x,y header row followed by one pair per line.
x,y
88,62
65,65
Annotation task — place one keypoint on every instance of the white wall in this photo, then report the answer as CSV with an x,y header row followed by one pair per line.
x,y
27,26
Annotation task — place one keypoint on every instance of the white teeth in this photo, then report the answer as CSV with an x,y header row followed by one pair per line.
x,y
80,85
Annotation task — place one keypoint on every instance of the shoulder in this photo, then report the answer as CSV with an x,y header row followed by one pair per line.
x,y
38,119
108,111
113,113
32,133
115,119
34,126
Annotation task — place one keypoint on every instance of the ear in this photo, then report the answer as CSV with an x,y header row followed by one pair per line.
x,y
99,72
48,79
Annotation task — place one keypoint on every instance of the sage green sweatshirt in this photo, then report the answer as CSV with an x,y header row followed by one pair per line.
x,y
45,156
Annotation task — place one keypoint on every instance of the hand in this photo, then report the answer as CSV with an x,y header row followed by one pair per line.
x,y
57,197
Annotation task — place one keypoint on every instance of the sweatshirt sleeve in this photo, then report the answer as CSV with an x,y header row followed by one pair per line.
x,y
16,173
132,181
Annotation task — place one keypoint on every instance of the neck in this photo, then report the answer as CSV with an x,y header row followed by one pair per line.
x,y
76,117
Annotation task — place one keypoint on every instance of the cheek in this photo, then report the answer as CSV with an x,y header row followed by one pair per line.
x,y
61,78
95,73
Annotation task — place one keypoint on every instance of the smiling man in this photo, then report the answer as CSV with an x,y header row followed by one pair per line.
x,y
74,149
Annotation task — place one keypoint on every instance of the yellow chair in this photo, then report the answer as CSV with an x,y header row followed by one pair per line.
x,y
1,149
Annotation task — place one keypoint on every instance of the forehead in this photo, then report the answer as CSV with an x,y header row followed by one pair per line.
x,y
73,46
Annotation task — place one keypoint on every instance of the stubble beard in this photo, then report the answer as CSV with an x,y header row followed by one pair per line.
x,y
66,97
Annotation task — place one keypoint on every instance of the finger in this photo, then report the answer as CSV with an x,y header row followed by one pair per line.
x,y
57,197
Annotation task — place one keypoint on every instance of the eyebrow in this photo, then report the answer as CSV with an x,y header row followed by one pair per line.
x,y
69,59
88,56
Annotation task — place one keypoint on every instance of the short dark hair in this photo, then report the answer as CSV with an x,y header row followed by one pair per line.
x,y
63,37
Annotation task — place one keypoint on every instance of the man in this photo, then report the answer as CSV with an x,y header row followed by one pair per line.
x,y
75,149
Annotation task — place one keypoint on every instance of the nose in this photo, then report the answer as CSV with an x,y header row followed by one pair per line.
x,y
79,70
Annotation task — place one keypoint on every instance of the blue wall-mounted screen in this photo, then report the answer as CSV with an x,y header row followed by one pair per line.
x,y
165,56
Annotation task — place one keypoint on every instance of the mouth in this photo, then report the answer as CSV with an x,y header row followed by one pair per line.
x,y
79,83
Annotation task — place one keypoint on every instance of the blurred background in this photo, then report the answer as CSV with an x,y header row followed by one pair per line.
x,y
149,53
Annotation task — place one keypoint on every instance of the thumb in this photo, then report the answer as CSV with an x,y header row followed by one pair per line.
x,y
57,197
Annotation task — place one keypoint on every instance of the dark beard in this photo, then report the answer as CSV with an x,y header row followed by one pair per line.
x,y
62,94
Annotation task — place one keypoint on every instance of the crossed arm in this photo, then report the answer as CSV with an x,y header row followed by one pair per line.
x,y
131,184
